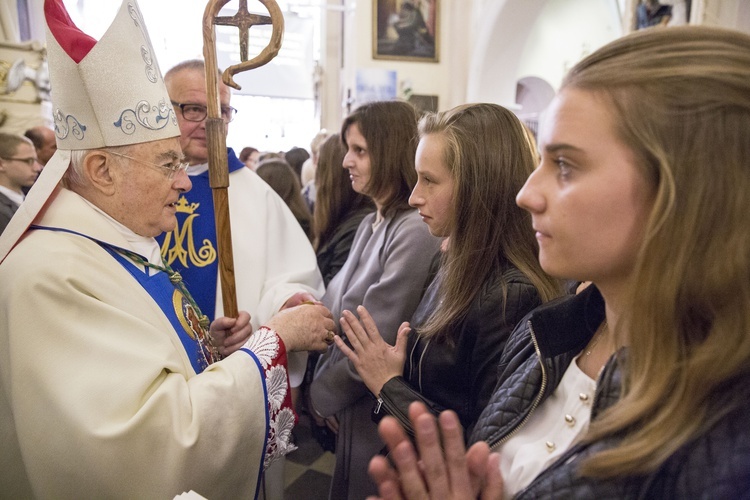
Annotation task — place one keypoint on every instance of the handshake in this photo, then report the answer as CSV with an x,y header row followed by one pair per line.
x,y
306,325
303,324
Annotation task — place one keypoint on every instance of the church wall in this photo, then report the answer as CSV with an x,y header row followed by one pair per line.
x,y
539,38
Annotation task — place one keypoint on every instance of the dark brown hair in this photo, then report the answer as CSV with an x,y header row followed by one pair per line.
x,y
246,153
334,197
279,175
390,129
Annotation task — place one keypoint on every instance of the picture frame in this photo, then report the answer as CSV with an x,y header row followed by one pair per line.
x,y
406,30
424,103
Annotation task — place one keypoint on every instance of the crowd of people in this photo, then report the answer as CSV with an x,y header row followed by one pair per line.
x,y
424,266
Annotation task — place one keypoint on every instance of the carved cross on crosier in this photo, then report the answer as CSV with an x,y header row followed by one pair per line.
x,y
243,20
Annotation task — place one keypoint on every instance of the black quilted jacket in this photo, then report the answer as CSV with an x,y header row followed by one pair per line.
x,y
714,466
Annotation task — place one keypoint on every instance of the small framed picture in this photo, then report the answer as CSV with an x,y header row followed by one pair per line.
x,y
405,30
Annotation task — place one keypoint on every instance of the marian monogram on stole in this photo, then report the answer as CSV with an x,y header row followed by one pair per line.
x,y
184,248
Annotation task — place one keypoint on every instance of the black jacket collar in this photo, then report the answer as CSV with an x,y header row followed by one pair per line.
x,y
567,324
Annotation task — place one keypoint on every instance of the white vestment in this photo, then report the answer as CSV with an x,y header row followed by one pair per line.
x,y
98,397
273,258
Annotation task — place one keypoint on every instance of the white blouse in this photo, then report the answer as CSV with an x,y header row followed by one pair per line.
x,y
552,428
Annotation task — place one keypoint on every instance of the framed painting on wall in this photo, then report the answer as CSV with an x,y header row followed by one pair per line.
x,y
405,30
424,103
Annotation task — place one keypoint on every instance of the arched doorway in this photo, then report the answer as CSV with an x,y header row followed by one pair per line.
x,y
533,95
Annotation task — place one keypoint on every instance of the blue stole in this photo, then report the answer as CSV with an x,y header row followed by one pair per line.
x,y
170,300
174,305
190,248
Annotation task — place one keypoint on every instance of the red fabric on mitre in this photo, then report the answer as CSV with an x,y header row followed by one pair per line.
x,y
73,41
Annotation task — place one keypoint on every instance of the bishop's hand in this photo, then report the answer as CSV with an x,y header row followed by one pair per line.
x,y
305,327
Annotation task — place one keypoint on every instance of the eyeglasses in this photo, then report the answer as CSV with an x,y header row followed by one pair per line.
x,y
198,112
28,161
170,170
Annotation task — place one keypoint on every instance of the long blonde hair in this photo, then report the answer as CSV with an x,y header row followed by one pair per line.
x,y
681,98
486,149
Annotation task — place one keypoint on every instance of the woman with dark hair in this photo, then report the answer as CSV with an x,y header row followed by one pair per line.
x,y
387,270
279,175
337,214
642,190
470,162
338,209
249,156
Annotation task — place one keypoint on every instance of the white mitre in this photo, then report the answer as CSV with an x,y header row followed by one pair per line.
x,y
105,93
115,95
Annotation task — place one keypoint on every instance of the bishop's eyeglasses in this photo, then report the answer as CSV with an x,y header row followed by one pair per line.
x,y
170,170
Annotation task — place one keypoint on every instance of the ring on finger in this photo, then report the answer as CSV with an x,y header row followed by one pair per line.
x,y
329,337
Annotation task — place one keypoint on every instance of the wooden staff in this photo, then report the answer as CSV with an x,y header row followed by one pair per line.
x,y
218,168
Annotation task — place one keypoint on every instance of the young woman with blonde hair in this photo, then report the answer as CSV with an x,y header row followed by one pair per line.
x,y
471,160
643,190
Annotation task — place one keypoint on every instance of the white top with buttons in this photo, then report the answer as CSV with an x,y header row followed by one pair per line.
x,y
552,428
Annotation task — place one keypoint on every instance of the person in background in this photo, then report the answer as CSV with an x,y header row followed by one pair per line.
x,y
274,262
642,189
19,169
249,156
44,142
127,390
387,270
296,157
309,167
471,161
282,179
652,13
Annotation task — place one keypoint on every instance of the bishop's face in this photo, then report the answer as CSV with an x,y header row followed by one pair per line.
x,y
145,196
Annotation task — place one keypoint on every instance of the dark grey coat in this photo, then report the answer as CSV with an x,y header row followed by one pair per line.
x,y
7,209
386,271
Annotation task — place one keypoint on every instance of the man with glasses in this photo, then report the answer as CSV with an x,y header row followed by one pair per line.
x,y
113,383
19,169
274,263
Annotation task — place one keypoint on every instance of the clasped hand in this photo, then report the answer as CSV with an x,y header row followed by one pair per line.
x,y
437,472
375,360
